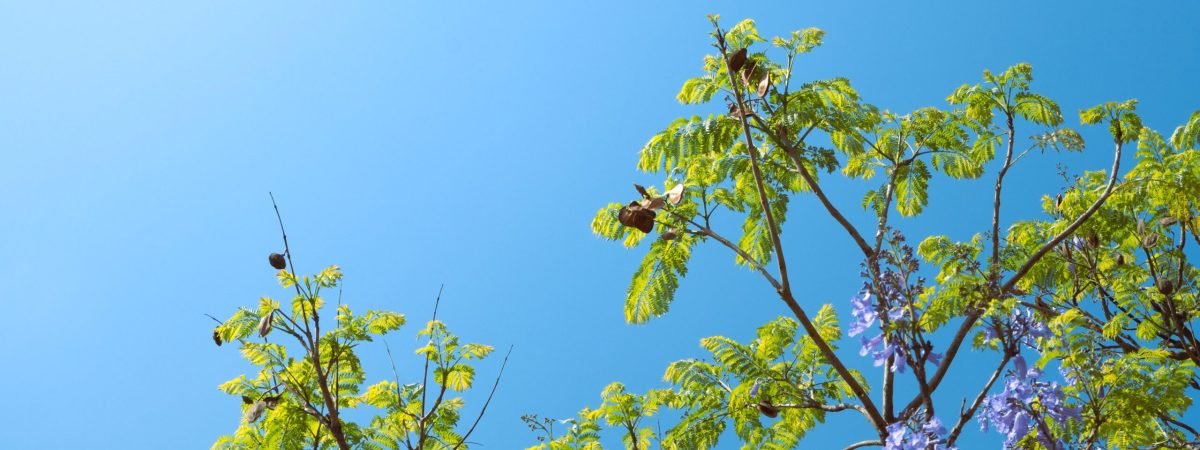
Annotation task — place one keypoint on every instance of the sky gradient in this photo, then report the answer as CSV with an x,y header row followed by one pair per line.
x,y
421,144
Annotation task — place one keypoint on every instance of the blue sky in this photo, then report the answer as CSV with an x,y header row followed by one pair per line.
x,y
417,144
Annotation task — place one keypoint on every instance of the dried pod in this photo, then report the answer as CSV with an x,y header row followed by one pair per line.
x,y
634,215
1150,240
654,204
737,60
764,86
277,261
1093,241
668,235
675,194
1165,286
255,412
264,324
641,190
767,409
1167,221
217,337
748,70
1141,226
271,401
1058,202
1120,259
247,400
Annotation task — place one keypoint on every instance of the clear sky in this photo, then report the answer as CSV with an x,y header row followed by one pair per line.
x,y
421,143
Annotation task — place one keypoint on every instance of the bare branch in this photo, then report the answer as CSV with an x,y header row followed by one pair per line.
x,y
486,402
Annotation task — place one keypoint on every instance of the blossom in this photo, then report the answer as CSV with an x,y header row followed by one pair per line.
x,y
1010,413
901,437
863,311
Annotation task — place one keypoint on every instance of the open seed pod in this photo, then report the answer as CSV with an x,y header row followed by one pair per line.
x,y
675,194
1150,240
271,401
277,261
764,86
1093,241
636,216
264,324
256,411
737,60
767,409
1120,259
668,235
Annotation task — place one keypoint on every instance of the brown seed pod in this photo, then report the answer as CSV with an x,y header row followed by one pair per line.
x,y
1167,221
668,235
247,400
277,261
1058,202
271,401
748,70
264,324
1141,226
1165,286
737,60
1120,259
636,216
1093,241
1150,240
641,190
217,337
764,86
255,412
655,203
767,409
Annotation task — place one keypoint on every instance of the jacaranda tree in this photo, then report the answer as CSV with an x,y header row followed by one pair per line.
x,y
307,381
1089,311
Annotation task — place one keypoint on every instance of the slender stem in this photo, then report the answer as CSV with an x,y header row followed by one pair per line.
x,y
996,199
486,402
865,444
784,290
970,412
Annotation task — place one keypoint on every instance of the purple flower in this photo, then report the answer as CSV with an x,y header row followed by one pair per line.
x,y
902,437
863,311
1009,411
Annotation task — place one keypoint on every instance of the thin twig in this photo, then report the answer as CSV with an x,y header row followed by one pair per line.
x,y
486,402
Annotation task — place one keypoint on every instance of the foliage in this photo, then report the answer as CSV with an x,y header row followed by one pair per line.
x,y
307,379
1100,290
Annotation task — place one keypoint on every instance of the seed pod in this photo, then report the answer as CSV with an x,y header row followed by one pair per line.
x,y
1165,286
1120,259
247,400
277,261
654,204
748,70
737,60
767,409
217,337
675,194
668,235
1093,241
271,401
255,412
1141,226
264,324
1167,221
1150,240
1058,202
634,215
764,86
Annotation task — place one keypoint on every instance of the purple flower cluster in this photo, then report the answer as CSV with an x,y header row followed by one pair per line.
x,y
1011,412
865,312
901,437
1023,327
